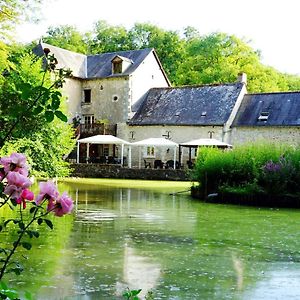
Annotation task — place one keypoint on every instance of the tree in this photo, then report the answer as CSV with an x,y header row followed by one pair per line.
x,y
66,37
13,12
168,45
215,58
29,100
106,38
188,60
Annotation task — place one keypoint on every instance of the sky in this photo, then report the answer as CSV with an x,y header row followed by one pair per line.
x,y
271,26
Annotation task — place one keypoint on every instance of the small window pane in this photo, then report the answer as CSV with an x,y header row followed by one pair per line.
x,y
87,96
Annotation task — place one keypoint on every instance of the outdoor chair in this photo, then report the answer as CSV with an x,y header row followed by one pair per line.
x,y
190,164
158,164
147,164
111,160
169,164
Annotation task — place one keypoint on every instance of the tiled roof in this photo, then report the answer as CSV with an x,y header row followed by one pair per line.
x,y
190,105
93,66
66,59
269,109
99,66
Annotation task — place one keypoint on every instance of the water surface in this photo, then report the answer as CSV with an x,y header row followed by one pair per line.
x,y
139,234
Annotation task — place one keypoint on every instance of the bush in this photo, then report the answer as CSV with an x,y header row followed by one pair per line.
x,y
249,169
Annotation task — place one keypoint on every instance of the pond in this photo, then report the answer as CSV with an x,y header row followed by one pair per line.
x,y
153,236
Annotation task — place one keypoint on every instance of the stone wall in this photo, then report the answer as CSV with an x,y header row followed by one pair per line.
x,y
276,134
116,171
178,134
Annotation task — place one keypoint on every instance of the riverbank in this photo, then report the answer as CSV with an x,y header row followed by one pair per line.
x,y
118,172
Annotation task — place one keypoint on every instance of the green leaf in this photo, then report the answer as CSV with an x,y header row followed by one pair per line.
x,y
32,209
7,221
26,90
37,110
49,115
21,225
40,221
49,223
28,296
3,285
3,250
55,102
29,232
26,245
35,233
61,116
17,270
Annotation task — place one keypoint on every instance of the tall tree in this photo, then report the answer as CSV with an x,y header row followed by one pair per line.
x,y
168,45
67,37
13,12
106,38
188,59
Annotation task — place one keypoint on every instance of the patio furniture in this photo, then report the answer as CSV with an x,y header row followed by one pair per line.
x,y
158,164
147,164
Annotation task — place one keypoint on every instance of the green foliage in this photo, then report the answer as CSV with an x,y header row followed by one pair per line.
x,y
66,37
45,149
15,11
132,294
189,59
249,169
7,293
26,93
31,113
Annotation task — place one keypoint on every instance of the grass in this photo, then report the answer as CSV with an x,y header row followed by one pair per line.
x,y
131,183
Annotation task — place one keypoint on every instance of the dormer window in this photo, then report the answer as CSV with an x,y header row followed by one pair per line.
x,y
117,67
264,115
203,114
120,64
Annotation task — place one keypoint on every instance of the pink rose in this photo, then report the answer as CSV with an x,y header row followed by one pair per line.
x,y
63,205
16,162
48,191
16,183
25,195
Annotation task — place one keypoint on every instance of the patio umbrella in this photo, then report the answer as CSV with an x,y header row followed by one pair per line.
x,y
158,142
206,142
102,139
203,143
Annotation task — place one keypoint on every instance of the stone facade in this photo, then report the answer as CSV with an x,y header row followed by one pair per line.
x,y
275,134
130,90
178,134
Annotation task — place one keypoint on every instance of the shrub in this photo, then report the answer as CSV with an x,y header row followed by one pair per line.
x,y
254,168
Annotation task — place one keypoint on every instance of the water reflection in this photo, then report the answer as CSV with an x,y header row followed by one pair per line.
x,y
138,271
163,242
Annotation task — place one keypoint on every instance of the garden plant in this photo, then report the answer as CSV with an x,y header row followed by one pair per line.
x,y
262,173
30,210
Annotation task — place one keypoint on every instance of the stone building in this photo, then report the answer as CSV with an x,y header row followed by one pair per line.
x,y
273,117
127,94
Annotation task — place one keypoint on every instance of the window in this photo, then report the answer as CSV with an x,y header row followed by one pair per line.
x,y
150,152
203,114
87,96
264,115
89,119
105,151
117,67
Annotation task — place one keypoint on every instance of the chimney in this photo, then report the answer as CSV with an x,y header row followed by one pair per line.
x,y
242,78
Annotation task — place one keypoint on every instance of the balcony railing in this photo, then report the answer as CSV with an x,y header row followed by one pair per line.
x,y
86,130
